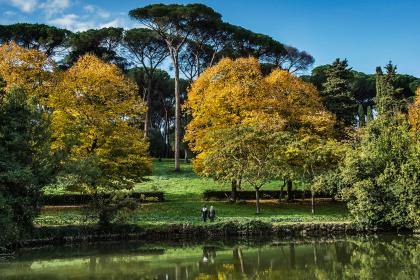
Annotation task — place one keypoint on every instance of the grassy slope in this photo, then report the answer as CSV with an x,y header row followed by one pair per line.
x,y
186,184
183,192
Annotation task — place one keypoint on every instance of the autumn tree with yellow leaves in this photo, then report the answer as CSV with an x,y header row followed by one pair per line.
x,y
28,70
96,126
246,126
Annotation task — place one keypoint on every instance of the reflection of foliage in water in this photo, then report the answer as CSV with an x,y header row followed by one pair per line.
x,y
353,258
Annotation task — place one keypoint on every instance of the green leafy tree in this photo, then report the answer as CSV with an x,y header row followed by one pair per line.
x,y
337,94
389,96
25,162
48,39
362,85
380,175
103,43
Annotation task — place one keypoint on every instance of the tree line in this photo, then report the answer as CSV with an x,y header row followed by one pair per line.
x,y
193,37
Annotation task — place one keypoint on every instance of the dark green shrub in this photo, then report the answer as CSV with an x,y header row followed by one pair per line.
x,y
25,163
381,176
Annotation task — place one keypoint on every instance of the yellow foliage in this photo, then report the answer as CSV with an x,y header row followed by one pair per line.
x,y
234,93
30,70
96,115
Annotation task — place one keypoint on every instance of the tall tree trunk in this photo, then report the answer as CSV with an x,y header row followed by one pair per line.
x,y
147,115
312,202
257,198
289,190
177,110
166,134
241,259
281,190
315,254
233,195
186,156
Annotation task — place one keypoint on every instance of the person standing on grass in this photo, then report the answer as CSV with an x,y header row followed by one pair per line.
x,y
212,213
204,213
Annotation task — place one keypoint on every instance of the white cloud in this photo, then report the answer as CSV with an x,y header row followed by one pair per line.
x,y
91,9
103,13
26,6
65,20
52,7
70,14
113,23
73,22
9,13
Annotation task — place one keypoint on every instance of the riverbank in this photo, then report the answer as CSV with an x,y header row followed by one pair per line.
x,y
60,235
178,217
184,197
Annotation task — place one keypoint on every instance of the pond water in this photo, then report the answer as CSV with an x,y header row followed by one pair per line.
x,y
380,257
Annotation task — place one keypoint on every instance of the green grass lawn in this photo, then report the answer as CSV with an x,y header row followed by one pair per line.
x,y
186,185
183,193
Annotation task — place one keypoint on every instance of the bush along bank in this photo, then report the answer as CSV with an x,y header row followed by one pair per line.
x,y
233,229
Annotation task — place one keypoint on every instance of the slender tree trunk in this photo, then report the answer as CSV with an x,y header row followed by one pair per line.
x,y
147,115
177,110
166,134
186,155
233,195
257,198
289,190
241,259
312,202
281,190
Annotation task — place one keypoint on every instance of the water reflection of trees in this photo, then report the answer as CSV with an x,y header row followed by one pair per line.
x,y
355,258
351,259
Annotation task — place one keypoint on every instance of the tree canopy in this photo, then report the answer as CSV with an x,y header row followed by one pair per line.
x,y
45,38
96,112
247,126
103,43
337,94
25,69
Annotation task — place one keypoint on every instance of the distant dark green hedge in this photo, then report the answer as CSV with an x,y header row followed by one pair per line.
x,y
82,199
264,194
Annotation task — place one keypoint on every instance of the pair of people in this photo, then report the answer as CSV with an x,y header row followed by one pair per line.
x,y
207,213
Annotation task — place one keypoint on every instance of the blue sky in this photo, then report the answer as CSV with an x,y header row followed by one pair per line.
x,y
368,33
